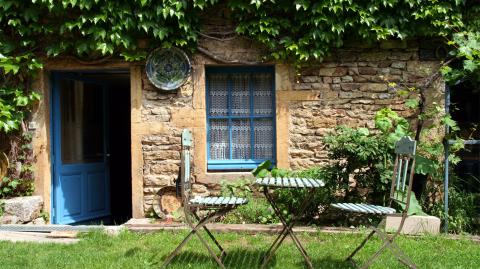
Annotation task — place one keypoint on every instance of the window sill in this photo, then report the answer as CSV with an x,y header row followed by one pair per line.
x,y
213,177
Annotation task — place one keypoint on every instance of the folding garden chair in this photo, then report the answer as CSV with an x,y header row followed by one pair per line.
x,y
403,171
215,206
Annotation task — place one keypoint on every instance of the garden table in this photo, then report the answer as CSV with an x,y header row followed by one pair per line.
x,y
291,183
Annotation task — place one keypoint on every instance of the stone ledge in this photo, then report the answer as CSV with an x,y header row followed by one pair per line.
x,y
151,225
217,177
414,225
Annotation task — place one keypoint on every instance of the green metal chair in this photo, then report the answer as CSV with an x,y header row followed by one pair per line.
x,y
215,207
403,171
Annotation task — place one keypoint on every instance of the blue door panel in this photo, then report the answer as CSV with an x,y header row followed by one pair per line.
x,y
81,188
71,191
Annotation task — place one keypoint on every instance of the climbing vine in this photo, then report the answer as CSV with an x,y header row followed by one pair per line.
x,y
300,30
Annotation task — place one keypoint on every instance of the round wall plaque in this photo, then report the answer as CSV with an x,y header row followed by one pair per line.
x,y
168,69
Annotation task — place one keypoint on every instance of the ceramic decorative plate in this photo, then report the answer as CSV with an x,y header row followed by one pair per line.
x,y
168,69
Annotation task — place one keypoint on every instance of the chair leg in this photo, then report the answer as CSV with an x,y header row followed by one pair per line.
x,y
222,250
217,259
395,249
177,249
388,243
374,256
350,257
195,229
287,230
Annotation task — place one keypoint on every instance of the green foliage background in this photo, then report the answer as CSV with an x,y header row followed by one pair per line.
x,y
296,31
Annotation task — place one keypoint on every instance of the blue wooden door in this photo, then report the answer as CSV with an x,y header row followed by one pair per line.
x,y
80,150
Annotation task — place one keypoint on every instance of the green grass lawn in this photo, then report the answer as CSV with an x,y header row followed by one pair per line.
x,y
132,250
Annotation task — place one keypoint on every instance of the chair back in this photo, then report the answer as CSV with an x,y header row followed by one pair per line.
x,y
185,165
403,170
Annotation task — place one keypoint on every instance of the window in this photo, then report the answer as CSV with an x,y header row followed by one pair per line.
x,y
240,117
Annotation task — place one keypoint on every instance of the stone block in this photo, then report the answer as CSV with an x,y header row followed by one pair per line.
x,y
362,101
320,86
399,65
350,95
367,70
321,122
165,168
353,71
421,69
25,208
302,86
350,86
384,64
7,219
326,72
414,225
158,180
374,87
347,79
346,56
373,56
333,71
200,190
402,56
393,44
336,87
301,153
310,79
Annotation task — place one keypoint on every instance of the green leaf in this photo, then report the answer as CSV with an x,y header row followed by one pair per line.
x,y
8,67
425,166
411,103
263,166
414,208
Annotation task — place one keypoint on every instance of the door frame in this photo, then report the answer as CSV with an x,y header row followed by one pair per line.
x,y
55,131
41,126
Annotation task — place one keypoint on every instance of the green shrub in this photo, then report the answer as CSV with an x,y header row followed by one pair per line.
x,y
258,210
20,177
463,206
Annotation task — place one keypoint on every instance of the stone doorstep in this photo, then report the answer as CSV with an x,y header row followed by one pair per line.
x,y
62,234
35,237
414,225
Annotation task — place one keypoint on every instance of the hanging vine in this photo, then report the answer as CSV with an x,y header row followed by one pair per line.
x,y
298,31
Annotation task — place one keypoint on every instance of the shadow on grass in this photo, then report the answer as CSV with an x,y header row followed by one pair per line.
x,y
235,258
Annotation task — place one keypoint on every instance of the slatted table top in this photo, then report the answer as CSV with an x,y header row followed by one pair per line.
x,y
218,201
290,182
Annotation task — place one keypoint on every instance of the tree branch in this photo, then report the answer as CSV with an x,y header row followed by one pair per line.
x,y
217,38
223,60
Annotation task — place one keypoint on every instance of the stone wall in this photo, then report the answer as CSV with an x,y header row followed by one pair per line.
x,y
171,111
352,86
348,88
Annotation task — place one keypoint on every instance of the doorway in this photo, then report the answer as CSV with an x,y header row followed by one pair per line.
x,y
91,147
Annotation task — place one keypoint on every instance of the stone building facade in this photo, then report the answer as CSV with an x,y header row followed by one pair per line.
x,y
348,88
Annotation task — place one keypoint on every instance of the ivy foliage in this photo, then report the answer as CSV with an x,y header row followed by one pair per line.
x,y
465,43
307,29
300,30
88,29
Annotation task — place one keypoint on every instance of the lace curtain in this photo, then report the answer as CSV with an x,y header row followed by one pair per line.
x,y
240,109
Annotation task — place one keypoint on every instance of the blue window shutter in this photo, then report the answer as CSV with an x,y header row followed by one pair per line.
x,y
240,117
